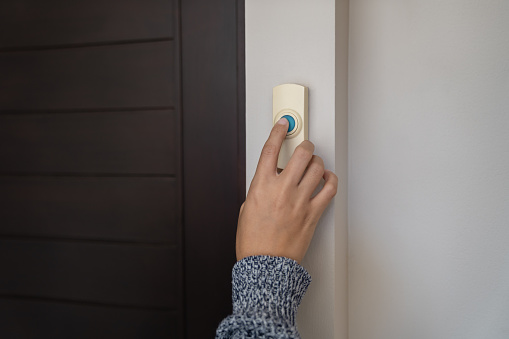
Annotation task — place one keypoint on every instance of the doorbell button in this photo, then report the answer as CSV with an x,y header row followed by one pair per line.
x,y
291,121
293,130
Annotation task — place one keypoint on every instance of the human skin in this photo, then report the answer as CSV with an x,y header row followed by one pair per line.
x,y
280,215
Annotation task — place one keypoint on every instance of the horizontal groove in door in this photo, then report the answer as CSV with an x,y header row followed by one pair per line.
x,y
112,142
85,175
65,239
79,45
86,110
133,75
43,319
110,209
57,22
116,274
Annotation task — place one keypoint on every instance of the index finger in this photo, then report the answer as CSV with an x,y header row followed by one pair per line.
x,y
267,165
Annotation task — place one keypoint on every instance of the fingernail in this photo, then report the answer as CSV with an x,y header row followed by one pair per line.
x,y
282,121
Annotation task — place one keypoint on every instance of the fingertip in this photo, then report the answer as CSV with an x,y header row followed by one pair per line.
x,y
282,121
331,180
328,174
280,128
308,144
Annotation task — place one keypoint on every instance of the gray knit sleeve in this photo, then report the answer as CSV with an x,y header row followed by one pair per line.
x,y
266,293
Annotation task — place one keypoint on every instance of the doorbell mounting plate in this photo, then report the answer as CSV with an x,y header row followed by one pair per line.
x,y
290,101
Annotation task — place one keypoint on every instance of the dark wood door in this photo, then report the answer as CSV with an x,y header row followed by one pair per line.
x,y
122,166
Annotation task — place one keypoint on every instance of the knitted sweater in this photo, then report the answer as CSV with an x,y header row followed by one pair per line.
x,y
266,293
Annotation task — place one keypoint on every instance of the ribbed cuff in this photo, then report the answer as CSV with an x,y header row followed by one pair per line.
x,y
269,287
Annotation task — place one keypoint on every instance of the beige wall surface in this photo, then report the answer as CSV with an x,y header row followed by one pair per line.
x,y
293,41
429,169
428,159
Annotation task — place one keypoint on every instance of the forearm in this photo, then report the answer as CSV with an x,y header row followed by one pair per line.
x,y
266,292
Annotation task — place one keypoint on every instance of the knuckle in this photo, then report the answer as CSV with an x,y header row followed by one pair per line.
x,y
309,145
269,150
318,164
302,151
316,170
318,160
280,203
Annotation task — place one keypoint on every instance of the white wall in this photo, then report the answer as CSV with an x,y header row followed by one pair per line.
x,y
293,41
429,169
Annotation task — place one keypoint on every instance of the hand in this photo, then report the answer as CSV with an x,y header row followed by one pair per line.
x,y
280,215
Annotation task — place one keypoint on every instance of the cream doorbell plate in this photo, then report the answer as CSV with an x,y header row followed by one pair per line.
x,y
291,102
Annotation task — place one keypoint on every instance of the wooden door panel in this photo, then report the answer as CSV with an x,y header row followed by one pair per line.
x,y
58,22
118,274
117,76
108,180
34,319
99,142
128,209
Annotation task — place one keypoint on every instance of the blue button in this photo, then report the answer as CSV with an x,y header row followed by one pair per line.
x,y
291,120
